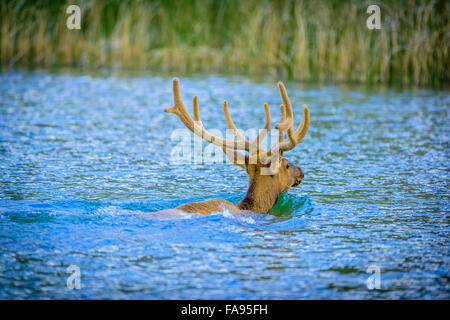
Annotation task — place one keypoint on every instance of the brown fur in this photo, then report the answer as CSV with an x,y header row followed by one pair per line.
x,y
208,206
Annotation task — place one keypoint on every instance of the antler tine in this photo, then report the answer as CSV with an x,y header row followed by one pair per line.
x,y
195,109
281,128
266,127
178,108
255,144
299,133
231,125
283,113
249,146
304,125
286,123
256,153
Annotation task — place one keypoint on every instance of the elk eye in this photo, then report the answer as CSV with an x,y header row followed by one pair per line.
x,y
288,165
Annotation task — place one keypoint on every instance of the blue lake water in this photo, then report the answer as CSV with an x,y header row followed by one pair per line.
x,y
82,157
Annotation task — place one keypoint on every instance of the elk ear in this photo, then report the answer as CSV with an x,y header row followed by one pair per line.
x,y
237,158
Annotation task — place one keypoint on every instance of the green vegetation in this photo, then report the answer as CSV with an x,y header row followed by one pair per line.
x,y
301,40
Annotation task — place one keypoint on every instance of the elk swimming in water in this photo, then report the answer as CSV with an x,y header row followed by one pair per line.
x,y
269,173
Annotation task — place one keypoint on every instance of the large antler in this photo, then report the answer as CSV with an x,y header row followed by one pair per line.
x,y
287,123
197,127
256,152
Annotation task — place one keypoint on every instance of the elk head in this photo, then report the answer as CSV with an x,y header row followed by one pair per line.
x,y
269,173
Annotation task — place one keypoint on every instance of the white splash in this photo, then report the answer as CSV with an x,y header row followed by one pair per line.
x,y
240,216
114,211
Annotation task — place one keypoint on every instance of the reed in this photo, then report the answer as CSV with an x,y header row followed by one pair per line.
x,y
301,40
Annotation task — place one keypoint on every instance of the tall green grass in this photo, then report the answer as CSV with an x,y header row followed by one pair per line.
x,y
301,40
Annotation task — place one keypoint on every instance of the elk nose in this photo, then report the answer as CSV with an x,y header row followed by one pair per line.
x,y
301,173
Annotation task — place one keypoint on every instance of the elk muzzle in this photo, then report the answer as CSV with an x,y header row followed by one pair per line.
x,y
299,177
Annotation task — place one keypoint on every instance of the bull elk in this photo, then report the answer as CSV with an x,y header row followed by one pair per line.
x,y
269,173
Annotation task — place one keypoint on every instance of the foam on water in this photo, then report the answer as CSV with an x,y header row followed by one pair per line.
x,y
243,216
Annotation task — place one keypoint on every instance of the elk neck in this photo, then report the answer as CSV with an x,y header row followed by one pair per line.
x,y
261,194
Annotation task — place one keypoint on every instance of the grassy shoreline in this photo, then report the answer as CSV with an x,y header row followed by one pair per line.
x,y
298,40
